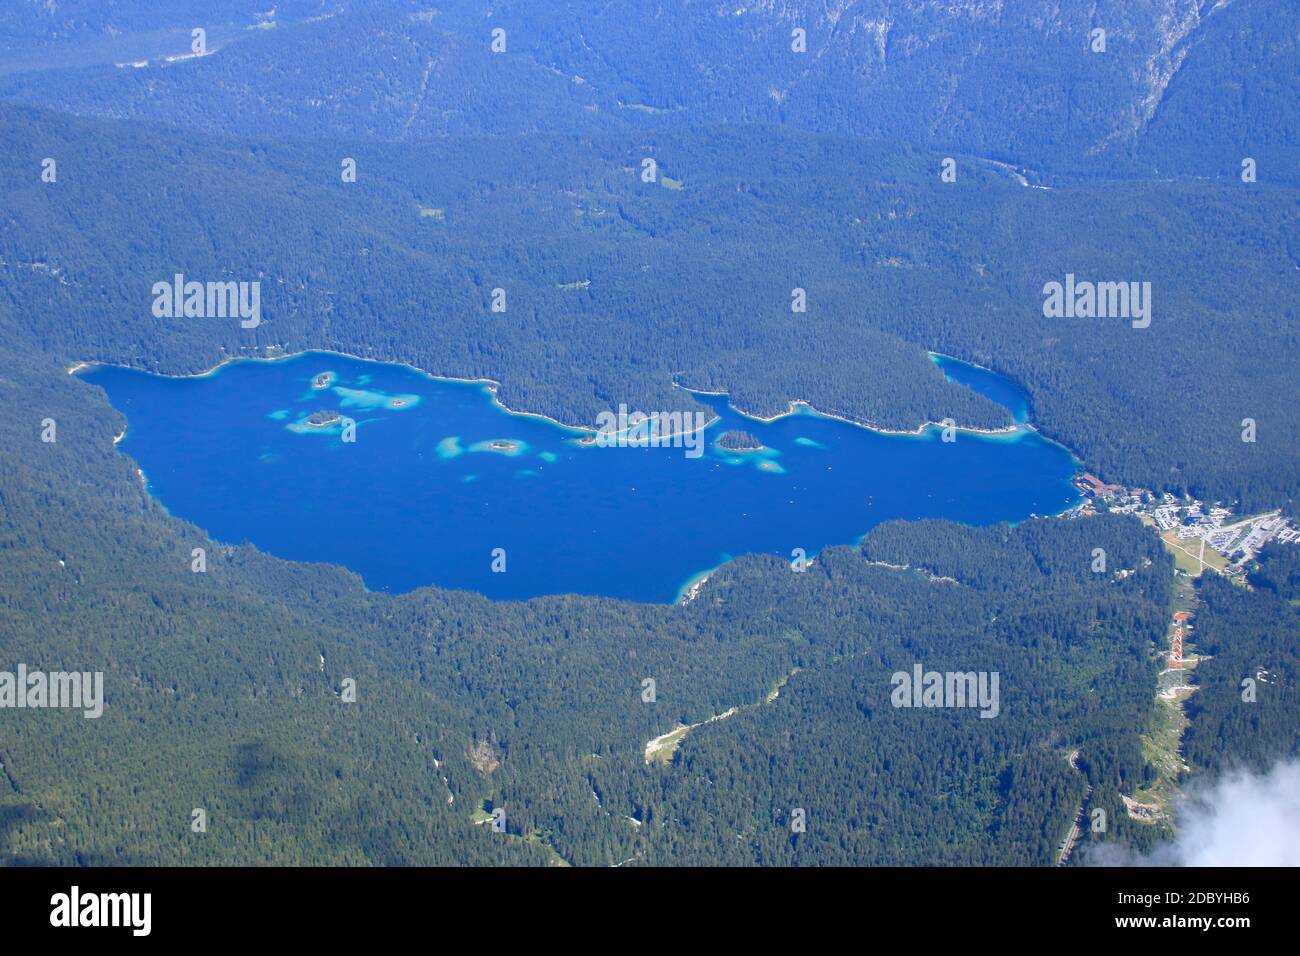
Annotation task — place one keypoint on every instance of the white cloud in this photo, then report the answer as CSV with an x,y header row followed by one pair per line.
x,y
1242,819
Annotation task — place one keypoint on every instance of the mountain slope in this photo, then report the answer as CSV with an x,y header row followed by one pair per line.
x,y
1013,79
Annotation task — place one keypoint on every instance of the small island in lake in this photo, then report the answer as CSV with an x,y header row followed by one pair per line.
x,y
323,380
737,440
510,447
323,418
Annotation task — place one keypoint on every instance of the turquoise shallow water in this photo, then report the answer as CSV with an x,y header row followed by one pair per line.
x,y
440,475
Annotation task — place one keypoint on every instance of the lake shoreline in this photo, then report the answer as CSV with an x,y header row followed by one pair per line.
x,y
1005,431
493,387
491,384
784,511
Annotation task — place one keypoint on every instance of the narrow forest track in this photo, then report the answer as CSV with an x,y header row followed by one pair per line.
x,y
1076,828
664,746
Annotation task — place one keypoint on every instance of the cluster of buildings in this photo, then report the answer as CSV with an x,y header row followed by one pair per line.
x,y
1184,520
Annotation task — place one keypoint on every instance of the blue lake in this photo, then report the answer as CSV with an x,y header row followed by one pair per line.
x,y
989,384
440,475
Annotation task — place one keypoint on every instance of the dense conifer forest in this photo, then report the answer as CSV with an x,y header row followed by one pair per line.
x,y
523,733
1244,714
586,254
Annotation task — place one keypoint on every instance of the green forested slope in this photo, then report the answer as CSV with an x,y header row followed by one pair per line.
x,y
223,688
217,696
691,285
1016,80
1244,713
